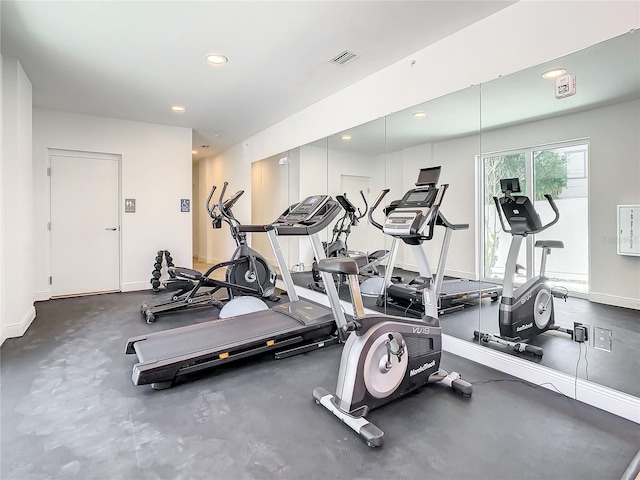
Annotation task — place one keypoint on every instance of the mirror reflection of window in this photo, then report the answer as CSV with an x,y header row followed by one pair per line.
x,y
561,172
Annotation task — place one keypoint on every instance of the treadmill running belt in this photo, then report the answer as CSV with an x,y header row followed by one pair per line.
x,y
219,333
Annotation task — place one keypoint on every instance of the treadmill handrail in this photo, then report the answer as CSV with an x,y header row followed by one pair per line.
x,y
441,220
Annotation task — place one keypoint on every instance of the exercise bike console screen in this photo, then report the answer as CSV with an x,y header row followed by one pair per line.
x,y
510,184
306,209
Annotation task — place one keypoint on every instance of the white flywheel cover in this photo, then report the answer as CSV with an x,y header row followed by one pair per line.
x,y
379,381
542,316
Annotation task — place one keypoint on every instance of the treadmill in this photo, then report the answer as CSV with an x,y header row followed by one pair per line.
x,y
297,325
453,294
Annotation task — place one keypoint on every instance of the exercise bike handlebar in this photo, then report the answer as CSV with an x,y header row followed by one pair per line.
x,y
382,194
551,202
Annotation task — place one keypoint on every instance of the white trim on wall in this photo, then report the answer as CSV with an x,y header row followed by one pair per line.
x,y
18,329
606,299
612,401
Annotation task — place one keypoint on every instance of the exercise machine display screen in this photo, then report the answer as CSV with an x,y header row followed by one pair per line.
x,y
306,209
428,176
345,203
419,197
510,184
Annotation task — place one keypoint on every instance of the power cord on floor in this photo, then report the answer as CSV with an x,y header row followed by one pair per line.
x,y
516,380
586,369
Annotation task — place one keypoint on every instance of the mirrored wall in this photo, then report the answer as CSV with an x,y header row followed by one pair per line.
x,y
573,137
582,149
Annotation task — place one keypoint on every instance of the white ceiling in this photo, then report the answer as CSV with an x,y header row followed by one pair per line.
x,y
134,60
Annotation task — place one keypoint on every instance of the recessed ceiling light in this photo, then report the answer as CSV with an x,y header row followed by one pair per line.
x,y
193,152
216,58
346,137
555,73
178,109
420,114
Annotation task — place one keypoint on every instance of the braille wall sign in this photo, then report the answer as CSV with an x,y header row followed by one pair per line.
x,y
129,205
185,204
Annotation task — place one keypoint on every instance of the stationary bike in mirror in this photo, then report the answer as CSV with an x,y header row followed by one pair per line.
x,y
526,311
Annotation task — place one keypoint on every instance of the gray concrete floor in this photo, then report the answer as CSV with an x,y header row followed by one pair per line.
x,y
70,410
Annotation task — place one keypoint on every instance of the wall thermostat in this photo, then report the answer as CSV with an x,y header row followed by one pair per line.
x,y
565,86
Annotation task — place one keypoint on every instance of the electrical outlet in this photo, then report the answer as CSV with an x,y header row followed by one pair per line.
x,y
580,332
602,338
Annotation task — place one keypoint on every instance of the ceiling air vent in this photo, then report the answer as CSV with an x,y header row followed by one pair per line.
x,y
343,57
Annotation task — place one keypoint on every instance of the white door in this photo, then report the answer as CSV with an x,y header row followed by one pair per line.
x,y
360,237
85,230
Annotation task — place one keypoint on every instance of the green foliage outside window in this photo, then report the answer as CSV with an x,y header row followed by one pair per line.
x,y
550,171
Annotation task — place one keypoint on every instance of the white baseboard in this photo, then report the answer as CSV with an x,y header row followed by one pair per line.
x,y
18,329
448,272
135,286
460,274
604,398
606,299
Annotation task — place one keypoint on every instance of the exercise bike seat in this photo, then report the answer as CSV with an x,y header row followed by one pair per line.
x,y
549,244
344,265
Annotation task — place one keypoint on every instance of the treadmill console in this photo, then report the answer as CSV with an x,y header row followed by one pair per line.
x,y
306,209
408,217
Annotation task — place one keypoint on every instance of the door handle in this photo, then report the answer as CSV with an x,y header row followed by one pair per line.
x,y
113,229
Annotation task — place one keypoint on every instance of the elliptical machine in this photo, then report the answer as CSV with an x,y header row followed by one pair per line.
x,y
386,357
526,311
248,275
338,247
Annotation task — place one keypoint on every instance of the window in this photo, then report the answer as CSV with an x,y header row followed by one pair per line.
x,y
562,172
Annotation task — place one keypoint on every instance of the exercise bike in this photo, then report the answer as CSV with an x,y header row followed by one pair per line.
x,y
338,248
248,276
526,311
386,357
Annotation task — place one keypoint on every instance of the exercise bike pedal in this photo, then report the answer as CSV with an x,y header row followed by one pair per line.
x,y
367,430
462,388
274,298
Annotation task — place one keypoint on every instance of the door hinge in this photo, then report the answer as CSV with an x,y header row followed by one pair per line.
x,y
50,280
49,226
48,171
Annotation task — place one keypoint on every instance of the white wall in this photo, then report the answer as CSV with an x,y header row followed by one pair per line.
x,y
156,171
269,198
524,34
17,202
